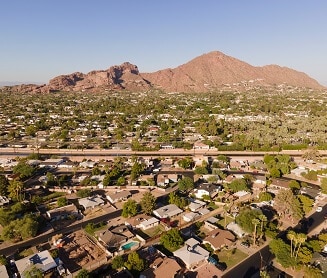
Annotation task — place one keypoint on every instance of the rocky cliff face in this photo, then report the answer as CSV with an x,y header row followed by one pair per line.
x,y
206,72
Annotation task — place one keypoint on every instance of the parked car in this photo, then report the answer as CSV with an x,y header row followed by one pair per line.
x,y
245,244
319,209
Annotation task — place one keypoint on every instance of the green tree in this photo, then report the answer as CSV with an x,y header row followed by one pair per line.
x,y
4,183
179,201
323,185
306,202
6,216
281,250
24,170
294,186
312,272
130,208
83,193
245,217
265,197
185,184
83,273
238,185
201,170
117,262
135,262
121,181
136,170
185,162
3,260
62,201
172,239
148,203
33,272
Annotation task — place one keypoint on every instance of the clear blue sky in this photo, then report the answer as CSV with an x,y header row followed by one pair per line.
x,y
41,39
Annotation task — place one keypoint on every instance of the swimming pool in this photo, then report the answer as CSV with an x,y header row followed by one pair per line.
x,y
129,245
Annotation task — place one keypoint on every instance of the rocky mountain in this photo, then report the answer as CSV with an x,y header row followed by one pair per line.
x,y
215,69
206,72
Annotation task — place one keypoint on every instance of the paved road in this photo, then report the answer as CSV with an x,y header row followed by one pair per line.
x,y
172,152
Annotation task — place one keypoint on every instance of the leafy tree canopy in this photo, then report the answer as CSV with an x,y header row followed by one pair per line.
x,y
172,240
130,208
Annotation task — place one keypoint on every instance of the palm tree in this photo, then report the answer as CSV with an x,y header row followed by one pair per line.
x,y
291,235
15,189
301,238
262,219
255,222
226,209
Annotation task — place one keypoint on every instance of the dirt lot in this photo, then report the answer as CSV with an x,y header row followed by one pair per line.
x,y
78,251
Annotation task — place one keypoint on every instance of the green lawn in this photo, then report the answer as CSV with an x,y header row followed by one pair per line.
x,y
154,231
231,257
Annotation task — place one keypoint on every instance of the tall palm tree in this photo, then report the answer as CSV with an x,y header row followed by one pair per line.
x,y
291,236
15,189
262,219
226,209
301,238
255,222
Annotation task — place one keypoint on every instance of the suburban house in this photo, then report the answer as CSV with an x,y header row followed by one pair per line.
x,y
277,185
192,254
198,145
62,212
164,180
87,164
118,196
42,260
242,195
112,238
219,238
259,185
134,222
67,165
206,189
52,162
149,223
211,223
91,202
236,229
195,205
162,267
191,216
167,211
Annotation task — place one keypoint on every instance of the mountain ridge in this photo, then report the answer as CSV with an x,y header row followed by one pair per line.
x,y
203,73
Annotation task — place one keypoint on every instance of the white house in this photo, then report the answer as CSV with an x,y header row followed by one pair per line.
x,y
149,223
206,189
167,211
195,205
42,260
191,216
118,196
91,202
192,254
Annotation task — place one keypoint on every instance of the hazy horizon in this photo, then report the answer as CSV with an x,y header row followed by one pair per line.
x,y
46,39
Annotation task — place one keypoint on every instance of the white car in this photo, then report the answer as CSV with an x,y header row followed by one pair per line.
x,y
319,209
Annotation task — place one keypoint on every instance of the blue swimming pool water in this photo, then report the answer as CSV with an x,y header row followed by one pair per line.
x,y
129,245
